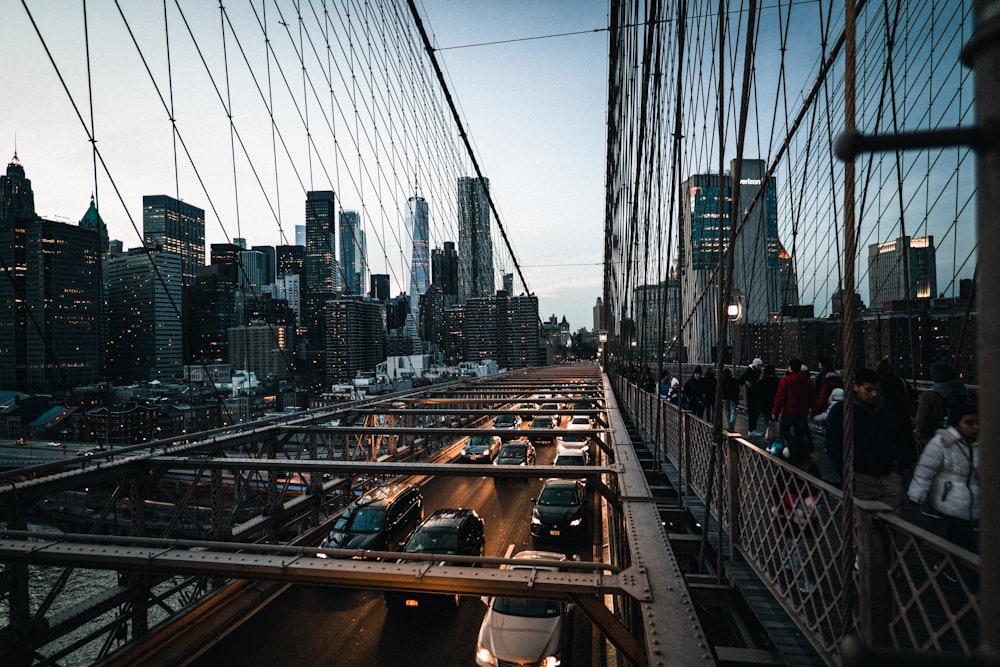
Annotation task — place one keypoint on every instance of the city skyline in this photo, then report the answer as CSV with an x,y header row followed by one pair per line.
x,y
547,79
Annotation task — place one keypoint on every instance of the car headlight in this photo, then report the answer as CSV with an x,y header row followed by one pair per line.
x,y
535,521
484,655
576,522
550,661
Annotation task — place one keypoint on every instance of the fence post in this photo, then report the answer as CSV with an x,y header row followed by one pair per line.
x,y
873,576
733,487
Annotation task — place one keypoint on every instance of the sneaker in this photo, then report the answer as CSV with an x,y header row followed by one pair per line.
x,y
807,587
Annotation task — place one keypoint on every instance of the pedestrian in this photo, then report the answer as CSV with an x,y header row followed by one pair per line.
x,y
884,450
824,366
831,381
798,509
947,476
836,396
896,389
748,380
694,391
947,392
663,388
730,397
708,385
674,395
763,396
792,405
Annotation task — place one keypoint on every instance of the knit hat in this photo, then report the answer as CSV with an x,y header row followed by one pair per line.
x,y
757,363
942,372
836,395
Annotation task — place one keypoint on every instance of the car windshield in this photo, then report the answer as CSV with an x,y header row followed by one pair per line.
x,y
581,420
479,441
504,420
433,541
574,438
529,608
569,461
557,495
361,520
514,452
541,422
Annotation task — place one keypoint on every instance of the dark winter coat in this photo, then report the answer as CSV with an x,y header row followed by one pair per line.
x,y
883,439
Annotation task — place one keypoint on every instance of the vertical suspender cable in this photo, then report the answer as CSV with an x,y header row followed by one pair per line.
x,y
848,309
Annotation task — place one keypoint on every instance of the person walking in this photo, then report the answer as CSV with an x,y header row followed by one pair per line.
x,y
730,397
749,379
792,405
708,384
884,450
830,382
947,476
764,393
694,391
946,393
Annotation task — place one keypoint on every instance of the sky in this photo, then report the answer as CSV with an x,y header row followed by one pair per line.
x,y
535,111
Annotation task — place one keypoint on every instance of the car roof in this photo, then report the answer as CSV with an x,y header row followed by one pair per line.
x,y
532,554
383,494
447,517
558,481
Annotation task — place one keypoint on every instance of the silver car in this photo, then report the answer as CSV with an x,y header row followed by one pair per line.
x,y
516,631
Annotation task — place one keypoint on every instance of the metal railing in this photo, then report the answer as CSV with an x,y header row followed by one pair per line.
x,y
910,589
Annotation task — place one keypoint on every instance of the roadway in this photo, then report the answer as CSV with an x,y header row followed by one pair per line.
x,y
310,625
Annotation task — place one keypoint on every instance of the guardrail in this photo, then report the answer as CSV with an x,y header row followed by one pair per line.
x,y
910,589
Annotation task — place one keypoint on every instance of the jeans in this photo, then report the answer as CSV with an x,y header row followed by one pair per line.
x,y
795,429
729,406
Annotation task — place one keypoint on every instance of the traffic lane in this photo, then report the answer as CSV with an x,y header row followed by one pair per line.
x,y
327,626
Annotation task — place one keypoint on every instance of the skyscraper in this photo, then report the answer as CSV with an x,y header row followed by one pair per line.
x,y
475,245
380,287
417,220
887,280
50,296
177,227
144,325
320,263
349,251
92,220
355,337
705,230
444,268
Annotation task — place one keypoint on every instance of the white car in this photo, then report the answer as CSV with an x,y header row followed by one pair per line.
x,y
568,442
524,632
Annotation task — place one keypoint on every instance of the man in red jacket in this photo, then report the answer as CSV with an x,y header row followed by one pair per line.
x,y
792,404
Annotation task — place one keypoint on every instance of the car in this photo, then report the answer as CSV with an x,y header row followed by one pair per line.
x,y
507,420
526,410
481,448
555,418
572,458
447,531
518,452
558,510
541,430
583,405
516,631
379,520
568,442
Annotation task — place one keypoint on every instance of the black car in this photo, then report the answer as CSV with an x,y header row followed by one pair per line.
x,y
379,520
558,510
518,452
541,430
447,531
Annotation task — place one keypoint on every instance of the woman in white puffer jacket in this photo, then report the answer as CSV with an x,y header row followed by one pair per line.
x,y
947,476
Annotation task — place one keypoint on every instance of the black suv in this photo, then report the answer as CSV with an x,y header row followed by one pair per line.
x,y
379,520
447,531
